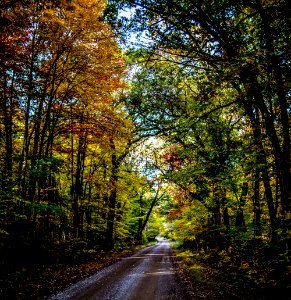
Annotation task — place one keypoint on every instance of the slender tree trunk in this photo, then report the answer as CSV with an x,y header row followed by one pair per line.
x,y
7,108
283,161
23,163
225,208
261,159
78,185
146,219
111,213
112,197
216,204
256,204
140,222
240,221
112,200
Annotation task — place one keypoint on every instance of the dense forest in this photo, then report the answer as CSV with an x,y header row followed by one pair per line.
x,y
126,120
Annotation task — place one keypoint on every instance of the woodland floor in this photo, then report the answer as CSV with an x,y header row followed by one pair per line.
x,y
35,283
204,281
212,282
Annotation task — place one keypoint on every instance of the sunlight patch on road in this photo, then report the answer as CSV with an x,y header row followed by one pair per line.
x,y
158,273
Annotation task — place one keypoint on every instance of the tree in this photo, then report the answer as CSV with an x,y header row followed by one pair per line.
x,y
238,46
64,136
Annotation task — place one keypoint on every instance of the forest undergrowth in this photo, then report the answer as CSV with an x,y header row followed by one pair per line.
x,y
41,280
214,274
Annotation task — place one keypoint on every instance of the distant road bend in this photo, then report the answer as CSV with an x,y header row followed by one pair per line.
x,y
147,275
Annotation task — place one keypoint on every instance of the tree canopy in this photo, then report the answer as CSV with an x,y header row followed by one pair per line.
x,y
123,120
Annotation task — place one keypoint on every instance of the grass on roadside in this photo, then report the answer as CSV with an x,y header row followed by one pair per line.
x,y
212,276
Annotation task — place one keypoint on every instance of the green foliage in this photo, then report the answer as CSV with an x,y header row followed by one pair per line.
x,y
196,147
43,167
155,227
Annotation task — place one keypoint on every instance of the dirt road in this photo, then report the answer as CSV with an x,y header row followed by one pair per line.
x,y
147,275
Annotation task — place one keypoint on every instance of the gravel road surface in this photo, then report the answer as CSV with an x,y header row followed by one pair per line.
x,y
147,275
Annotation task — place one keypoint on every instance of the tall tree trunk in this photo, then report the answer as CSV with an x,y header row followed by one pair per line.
x,y
112,200
252,86
261,159
112,197
240,221
140,222
256,204
146,219
283,162
216,204
23,163
225,208
7,108
77,188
